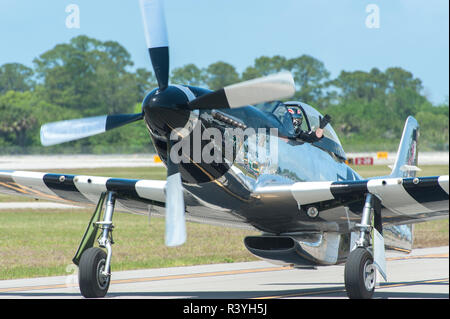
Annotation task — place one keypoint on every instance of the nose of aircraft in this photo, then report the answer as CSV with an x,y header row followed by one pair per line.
x,y
165,110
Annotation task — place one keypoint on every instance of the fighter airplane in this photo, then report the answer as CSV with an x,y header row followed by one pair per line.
x,y
310,207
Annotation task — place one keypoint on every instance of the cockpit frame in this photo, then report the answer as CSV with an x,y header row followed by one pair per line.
x,y
330,142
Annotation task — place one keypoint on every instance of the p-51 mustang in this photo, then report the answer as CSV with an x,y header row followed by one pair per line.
x,y
311,208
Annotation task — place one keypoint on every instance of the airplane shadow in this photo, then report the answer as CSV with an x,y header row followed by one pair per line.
x,y
335,290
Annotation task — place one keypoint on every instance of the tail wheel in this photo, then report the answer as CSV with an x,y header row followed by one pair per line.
x,y
360,274
93,283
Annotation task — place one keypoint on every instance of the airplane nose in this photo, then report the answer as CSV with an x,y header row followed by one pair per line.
x,y
165,110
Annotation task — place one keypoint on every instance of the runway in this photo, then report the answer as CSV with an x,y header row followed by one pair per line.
x,y
45,162
422,274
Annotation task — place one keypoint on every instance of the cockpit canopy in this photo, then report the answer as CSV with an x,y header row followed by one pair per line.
x,y
280,110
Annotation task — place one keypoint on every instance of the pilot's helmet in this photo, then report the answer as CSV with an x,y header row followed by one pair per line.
x,y
297,117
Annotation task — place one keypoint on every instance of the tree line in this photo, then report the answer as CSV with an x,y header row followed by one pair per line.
x,y
88,77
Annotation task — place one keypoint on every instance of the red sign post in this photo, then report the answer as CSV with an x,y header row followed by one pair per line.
x,y
363,161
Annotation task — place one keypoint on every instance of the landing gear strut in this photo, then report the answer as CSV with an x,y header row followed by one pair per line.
x,y
360,270
94,265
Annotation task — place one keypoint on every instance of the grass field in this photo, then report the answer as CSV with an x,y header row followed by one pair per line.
x,y
38,243
42,243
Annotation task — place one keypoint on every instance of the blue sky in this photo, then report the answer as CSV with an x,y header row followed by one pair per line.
x,y
413,34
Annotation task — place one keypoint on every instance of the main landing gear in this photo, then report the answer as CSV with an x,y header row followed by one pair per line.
x,y
94,264
360,269
360,274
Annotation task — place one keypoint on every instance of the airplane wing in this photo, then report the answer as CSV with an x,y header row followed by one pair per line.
x,y
409,200
132,194
140,196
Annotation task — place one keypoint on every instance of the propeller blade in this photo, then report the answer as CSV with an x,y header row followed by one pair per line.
x,y
268,88
70,130
175,220
156,37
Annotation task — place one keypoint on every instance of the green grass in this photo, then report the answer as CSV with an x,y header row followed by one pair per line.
x,y
42,243
381,170
431,234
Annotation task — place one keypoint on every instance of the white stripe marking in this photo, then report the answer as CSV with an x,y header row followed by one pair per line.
x,y
443,182
33,180
394,196
153,190
93,189
311,192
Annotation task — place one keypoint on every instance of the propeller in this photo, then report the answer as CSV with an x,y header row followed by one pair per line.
x,y
268,88
158,48
70,130
156,37
175,222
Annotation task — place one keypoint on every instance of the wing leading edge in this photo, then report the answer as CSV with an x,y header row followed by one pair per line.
x,y
81,189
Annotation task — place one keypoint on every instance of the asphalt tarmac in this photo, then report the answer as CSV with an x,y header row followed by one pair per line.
x,y
45,162
422,274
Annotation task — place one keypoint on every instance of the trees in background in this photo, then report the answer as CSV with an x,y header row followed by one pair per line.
x,y
85,77
88,77
91,76
310,75
374,105
15,77
215,76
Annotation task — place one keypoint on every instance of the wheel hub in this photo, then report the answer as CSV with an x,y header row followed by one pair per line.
x,y
102,280
369,275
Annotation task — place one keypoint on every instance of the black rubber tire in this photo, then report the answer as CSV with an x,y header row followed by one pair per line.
x,y
354,274
92,283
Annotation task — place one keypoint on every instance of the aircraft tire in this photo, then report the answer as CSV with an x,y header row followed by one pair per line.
x,y
93,284
359,274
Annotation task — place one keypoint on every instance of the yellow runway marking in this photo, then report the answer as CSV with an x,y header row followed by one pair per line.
x,y
387,285
200,275
15,289
17,189
149,279
302,294
444,255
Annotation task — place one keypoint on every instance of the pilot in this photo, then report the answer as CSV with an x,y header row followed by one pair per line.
x,y
311,136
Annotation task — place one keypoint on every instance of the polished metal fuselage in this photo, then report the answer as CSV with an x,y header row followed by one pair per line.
x,y
224,193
